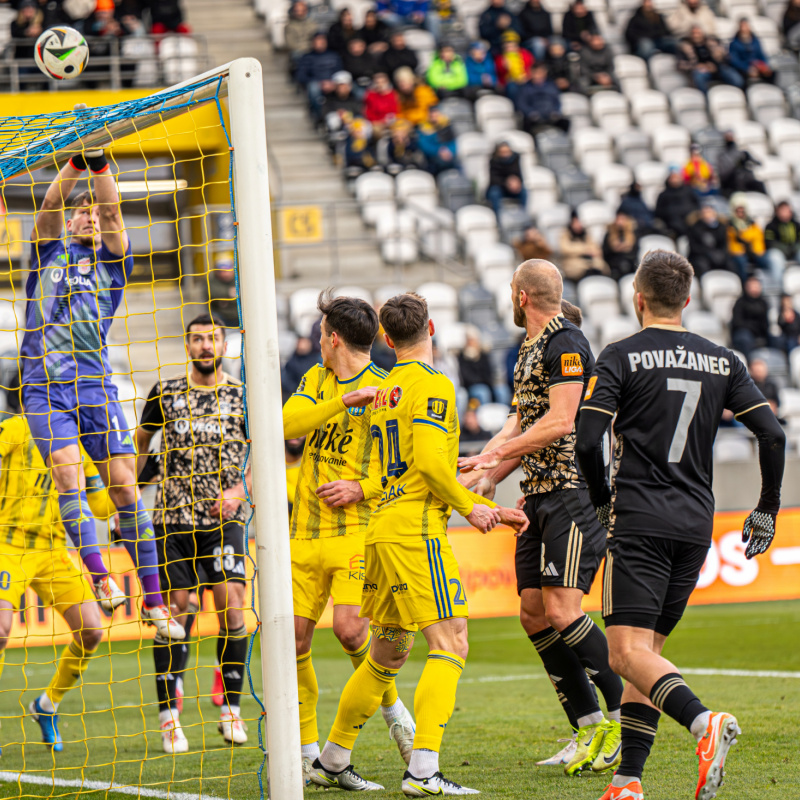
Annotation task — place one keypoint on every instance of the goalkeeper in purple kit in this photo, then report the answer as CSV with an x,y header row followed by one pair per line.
x,y
74,288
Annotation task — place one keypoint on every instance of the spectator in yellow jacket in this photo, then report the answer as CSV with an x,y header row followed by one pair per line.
x,y
746,245
415,98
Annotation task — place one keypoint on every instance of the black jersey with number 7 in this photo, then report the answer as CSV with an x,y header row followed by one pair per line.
x,y
668,388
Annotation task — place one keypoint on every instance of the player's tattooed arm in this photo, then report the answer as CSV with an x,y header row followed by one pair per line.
x,y
554,425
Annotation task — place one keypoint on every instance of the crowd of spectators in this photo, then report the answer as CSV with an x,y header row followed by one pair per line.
x,y
113,18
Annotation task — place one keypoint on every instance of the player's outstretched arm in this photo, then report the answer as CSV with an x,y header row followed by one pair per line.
x,y
759,527
482,481
112,227
50,220
592,427
554,425
303,414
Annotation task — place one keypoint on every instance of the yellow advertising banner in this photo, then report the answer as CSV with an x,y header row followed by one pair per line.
x,y
487,572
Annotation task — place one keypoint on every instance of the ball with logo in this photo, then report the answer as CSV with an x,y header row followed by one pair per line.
x,y
61,53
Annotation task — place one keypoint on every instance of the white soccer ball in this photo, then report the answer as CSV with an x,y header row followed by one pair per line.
x,y
61,53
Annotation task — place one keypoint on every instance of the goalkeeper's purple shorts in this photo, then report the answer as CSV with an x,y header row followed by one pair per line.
x,y
60,414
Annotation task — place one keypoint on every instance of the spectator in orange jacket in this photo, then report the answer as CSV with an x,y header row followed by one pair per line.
x,y
414,97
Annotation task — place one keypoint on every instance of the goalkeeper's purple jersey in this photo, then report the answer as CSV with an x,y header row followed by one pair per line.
x,y
73,292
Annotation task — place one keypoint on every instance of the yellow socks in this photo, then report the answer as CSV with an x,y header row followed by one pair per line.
x,y
435,698
360,700
74,660
357,657
308,693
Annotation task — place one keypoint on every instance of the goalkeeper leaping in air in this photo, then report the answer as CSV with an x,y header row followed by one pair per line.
x,y
75,285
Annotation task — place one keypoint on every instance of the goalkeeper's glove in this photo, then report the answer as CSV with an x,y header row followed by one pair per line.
x,y
94,158
758,530
604,514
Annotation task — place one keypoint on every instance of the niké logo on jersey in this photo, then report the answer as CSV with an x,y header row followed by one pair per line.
x,y
437,408
571,364
330,438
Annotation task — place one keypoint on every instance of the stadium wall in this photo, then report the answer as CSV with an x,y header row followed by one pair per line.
x,y
487,573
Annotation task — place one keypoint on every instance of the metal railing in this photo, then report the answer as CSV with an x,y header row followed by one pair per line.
x,y
131,61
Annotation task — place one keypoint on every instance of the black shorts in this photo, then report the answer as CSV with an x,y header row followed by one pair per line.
x,y
647,580
564,542
189,557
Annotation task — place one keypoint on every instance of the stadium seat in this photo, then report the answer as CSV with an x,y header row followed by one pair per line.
x,y
791,280
575,107
721,289
631,72
477,239
768,35
689,108
494,114
555,151
626,293
442,301
142,52
775,360
705,324
387,291
655,241
416,187
611,182
354,291
784,138
789,402
610,111
598,298
751,136
671,144
794,366
476,304
492,416
496,255
592,149
473,151
651,176
551,221
786,69
596,216
633,147
513,222
542,192
724,29
727,104
759,207
179,58
711,141
455,190
450,337
664,73
615,328
474,218
303,311
733,448
437,234
776,175
575,186
650,110
767,102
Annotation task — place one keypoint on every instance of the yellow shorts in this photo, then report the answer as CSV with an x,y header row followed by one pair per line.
x,y
51,573
412,584
329,567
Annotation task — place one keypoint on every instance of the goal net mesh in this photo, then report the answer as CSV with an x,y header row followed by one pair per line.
x,y
171,157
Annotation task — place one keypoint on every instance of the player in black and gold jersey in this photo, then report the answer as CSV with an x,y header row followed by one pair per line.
x,y
668,389
331,408
558,557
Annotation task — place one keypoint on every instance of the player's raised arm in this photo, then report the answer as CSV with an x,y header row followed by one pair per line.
x,y
112,228
50,219
303,413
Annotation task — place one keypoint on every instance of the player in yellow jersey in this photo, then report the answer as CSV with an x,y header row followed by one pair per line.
x,y
330,408
33,553
411,578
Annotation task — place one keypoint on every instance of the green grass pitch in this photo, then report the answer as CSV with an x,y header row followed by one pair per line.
x,y
506,718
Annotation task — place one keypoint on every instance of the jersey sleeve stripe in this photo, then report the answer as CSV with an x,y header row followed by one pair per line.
x,y
428,422
595,408
564,383
750,409
307,396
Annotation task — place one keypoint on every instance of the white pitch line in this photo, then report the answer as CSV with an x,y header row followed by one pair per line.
x,y
102,786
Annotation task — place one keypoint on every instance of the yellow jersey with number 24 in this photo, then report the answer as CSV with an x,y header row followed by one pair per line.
x,y
415,432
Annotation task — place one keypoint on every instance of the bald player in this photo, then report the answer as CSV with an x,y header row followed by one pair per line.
x,y
558,556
